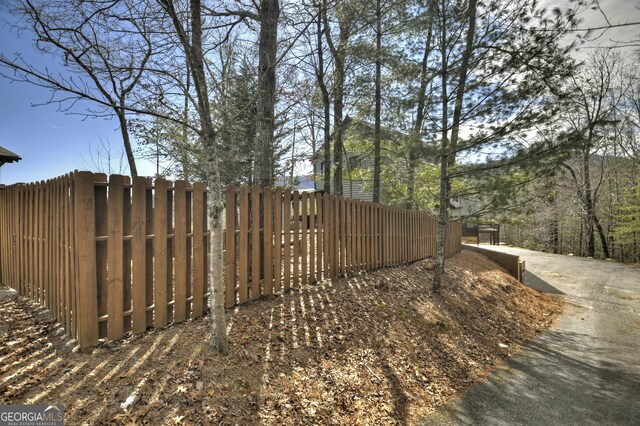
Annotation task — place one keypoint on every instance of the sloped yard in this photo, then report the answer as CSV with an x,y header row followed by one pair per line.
x,y
377,348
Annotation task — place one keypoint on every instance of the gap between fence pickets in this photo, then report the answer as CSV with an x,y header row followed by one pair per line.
x,y
345,236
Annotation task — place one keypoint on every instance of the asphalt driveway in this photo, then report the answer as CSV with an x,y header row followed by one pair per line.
x,y
585,370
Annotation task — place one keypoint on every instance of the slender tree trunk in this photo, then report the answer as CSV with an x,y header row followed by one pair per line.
x,y
443,210
603,237
266,95
185,131
326,104
462,81
416,135
555,236
339,57
215,202
293,159
378,107
126,140
581,239
338,99
589,207
447,148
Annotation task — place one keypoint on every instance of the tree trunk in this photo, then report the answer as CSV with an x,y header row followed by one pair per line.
x,y
326,104
555,236
215,196
338,99
416,136
126,140
589,206
603,237
266,95
339,57
378,107
443,210
462,81
447,148
184,153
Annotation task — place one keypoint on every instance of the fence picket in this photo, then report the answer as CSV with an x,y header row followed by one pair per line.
x,y
109,257
319,237
277,240
138,248
180,251
343,237
312,238
230,243
160,253
115,260
86,252
349,234
267,197
255,243
243,272
286,216
296,239
304,229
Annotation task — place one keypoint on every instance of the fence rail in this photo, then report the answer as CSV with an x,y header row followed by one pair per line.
x,y
109,256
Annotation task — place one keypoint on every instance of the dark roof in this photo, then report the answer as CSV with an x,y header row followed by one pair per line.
x,y
7,156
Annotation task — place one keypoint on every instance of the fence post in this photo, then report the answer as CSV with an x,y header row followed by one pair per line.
x,y
86,282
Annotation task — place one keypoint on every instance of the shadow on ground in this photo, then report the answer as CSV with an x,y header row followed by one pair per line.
x,y
537,283
561,378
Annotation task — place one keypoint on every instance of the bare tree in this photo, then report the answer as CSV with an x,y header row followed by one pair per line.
x,y
103,45
266,97
347,16
590,110
103,159
192,46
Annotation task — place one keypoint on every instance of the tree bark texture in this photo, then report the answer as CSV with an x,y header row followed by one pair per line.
x,y
378,107
416,136
266,95
215,196
326,104
443,210
126,140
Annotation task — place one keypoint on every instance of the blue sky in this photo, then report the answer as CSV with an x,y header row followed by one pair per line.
x,y
52,143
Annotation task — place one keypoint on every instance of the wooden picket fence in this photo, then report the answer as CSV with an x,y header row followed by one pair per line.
x,y
109,256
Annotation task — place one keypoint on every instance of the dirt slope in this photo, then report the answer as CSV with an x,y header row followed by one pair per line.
x,y
377,348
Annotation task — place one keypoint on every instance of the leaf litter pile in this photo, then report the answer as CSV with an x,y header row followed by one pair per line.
x,y
376,348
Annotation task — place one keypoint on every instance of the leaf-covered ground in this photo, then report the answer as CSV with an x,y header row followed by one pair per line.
x,y
376,348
